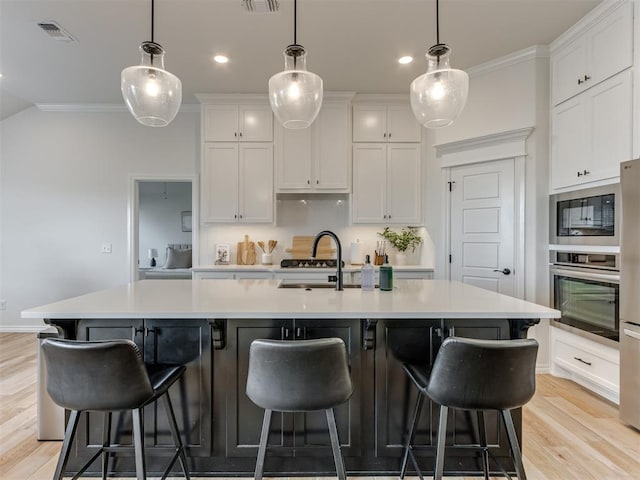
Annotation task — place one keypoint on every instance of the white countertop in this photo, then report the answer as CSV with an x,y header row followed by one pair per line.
x,y
262,299
278,269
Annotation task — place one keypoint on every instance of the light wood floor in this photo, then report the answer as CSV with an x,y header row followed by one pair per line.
x,y
569,433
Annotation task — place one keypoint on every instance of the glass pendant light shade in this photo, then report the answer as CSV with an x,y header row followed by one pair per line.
x,y
295,94
439,96
152,94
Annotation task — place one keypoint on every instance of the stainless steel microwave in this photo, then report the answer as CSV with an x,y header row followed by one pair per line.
x,y
586,217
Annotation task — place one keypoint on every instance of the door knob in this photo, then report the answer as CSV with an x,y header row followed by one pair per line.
x,y
505,271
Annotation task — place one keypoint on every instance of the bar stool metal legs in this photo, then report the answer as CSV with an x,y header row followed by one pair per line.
x,y
335,445
513,442
333,433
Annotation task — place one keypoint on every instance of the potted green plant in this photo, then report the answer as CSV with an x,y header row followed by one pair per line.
x,y
406,239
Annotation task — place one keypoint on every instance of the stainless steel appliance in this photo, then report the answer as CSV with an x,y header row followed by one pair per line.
x,y
630,294
586,217
585,287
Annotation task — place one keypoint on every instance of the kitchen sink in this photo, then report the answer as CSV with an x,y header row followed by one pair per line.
x,y
313,286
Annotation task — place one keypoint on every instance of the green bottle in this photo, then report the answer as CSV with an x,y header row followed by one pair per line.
x,y
386,275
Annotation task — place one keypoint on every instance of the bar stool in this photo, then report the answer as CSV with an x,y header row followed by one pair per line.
x,y
299,376
475,375
108,376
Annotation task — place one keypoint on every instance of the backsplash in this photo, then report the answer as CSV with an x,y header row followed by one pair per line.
x,y
306,214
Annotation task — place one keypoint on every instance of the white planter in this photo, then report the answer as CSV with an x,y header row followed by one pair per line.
x,y
401,258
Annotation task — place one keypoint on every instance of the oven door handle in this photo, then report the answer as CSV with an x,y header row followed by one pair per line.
x,y
607,277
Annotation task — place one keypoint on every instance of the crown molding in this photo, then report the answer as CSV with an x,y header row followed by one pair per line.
x,y
594,16
530,53
496,146
100,107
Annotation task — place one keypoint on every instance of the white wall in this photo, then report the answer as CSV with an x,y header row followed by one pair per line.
x,y
503,98
64,191
160,222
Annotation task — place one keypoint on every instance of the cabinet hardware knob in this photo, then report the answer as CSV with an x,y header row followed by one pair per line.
x,y
240,134
388,216
389,135
579,174
235,215
317,182
384,135
583,361
586,172
587,77
298,332
138,330
148,331
580,81
308,182
235,134
240,215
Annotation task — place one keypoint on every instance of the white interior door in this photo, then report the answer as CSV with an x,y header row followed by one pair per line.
x,y
483,225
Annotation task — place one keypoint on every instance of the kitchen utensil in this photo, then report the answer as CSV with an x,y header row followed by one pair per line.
x,y
246,252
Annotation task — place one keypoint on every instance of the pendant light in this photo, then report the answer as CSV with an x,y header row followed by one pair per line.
x,y
439,96
295,94
152,94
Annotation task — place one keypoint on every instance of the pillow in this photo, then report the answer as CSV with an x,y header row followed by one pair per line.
x,y
178,258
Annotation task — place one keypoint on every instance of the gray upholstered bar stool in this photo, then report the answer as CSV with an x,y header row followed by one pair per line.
x,y
108,376
475,375
299,376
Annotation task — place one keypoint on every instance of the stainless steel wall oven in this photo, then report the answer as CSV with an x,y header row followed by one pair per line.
x,y
585,287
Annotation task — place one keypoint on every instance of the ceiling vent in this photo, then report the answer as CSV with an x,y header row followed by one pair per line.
x,y
261,6
55,31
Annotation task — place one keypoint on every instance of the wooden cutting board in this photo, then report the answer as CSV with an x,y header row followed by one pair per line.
x,y
302,245
246,252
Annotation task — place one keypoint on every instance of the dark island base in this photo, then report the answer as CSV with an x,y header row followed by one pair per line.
x,y
223,426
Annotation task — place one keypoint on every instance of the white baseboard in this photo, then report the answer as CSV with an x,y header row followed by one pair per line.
x,y
543,368
21,328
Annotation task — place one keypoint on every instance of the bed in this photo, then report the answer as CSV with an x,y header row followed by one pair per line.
x,y
178,264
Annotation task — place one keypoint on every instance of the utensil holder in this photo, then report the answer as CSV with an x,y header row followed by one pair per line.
x,y
266,259
378,259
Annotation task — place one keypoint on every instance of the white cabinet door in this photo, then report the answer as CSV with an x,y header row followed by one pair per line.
x,y
331,148
256,183
403,184
220,123
568,65
369,200
219,188
569,143
611,126
402,125
369,123
610,44
293,159
234,123
255,123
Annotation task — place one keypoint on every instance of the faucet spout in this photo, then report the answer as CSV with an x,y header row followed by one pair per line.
x,y
314,250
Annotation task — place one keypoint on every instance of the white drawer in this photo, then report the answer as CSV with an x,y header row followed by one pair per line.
x,y
587,362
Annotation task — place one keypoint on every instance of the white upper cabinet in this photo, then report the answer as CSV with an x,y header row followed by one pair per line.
x,y
386,184
602,50
592,133
318,158
385,123
237,183
237,123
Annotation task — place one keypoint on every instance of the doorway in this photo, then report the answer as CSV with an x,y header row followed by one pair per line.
x,y
163,211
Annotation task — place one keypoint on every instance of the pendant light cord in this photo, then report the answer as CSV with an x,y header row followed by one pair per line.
x,y
295,22
437,21
152,12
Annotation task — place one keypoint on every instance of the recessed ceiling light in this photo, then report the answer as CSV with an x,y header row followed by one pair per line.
x,y
220,59
405,60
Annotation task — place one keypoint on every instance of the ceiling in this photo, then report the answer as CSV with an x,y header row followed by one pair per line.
x,y
352,44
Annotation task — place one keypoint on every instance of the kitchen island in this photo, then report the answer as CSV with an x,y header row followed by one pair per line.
x,y
209,325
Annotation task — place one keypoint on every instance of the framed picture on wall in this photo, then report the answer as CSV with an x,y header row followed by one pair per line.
x,y
222,254
187,224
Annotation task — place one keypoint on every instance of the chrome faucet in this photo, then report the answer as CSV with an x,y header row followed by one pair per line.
x,y
328,233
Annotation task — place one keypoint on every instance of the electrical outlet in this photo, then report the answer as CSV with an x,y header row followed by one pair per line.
x,y
3,304
106,248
